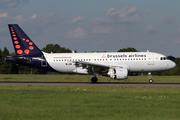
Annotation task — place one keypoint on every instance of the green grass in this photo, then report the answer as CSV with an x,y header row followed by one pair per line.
x,y
90,103
86,78
79,103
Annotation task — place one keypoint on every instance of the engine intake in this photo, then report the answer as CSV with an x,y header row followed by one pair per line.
x,y
118,73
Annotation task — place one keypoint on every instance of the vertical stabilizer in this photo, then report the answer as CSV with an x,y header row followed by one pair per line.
x,y
23,45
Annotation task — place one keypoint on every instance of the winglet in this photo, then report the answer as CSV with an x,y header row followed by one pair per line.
x,y
23,45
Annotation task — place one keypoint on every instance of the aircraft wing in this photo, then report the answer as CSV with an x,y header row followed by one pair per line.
x,y
101,65
95,67
93,64
89,67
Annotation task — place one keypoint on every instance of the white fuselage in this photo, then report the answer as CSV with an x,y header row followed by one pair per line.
x,y
133,61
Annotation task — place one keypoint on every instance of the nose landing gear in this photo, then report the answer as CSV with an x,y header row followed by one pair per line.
x,y
149,75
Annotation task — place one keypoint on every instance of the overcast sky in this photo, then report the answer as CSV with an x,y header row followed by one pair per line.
x,y
95,25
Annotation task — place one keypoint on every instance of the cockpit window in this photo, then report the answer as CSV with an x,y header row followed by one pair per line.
x,y
164,58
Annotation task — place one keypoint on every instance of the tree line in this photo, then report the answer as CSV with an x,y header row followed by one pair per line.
x,y
12,68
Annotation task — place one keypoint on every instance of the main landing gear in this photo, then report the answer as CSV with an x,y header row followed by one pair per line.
x,y
94,79
149,75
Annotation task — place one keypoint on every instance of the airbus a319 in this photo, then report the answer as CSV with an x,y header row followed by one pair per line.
x,y
116,65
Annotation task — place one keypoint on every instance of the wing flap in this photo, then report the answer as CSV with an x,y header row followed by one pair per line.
x,y
93,64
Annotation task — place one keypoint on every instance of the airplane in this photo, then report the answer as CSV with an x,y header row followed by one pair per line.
x,y
116,65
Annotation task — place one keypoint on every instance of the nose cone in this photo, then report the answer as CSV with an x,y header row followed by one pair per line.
x,y
172,64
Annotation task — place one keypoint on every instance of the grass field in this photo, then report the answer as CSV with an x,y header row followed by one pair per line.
x,y
90,103
86,78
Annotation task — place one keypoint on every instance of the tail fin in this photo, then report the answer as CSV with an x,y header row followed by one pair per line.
x,y
23,45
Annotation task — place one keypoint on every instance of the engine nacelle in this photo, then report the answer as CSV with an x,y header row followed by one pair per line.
x,y
118,73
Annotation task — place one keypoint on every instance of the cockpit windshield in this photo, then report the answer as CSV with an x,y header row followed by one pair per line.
x,y
164,58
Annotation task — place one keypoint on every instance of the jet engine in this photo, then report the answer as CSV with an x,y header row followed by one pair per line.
x,y
118,73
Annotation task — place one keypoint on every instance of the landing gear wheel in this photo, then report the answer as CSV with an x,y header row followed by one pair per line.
x,y
94,80
149,75
150,81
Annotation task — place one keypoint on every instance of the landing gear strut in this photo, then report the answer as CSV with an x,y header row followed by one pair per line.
x,y
94,79
149,75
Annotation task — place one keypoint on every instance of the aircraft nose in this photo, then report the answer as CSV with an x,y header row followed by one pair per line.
x,y
172,64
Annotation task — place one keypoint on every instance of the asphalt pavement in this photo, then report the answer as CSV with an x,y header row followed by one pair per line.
x,y
88,84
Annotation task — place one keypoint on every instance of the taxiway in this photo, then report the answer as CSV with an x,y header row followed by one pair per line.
x,y
86,84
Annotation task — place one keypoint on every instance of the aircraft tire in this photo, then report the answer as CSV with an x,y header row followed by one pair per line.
x,y
94,80
150,81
